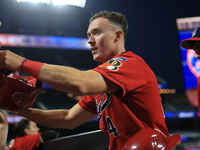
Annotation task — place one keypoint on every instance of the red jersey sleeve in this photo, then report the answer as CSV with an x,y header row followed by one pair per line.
x,y
88,103
118,71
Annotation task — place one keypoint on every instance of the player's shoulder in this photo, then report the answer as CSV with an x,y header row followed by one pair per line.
x,y
126,56
123,56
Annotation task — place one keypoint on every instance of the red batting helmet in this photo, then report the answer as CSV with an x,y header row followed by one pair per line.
x,y
150,139
18,93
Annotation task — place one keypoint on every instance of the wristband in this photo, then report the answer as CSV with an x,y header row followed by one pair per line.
x,y
31,67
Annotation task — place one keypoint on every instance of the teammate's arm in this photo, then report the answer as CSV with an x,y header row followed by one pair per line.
x,y
68,119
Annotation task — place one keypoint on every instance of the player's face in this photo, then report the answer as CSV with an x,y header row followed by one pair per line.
x,y
197,49
102,37
33,128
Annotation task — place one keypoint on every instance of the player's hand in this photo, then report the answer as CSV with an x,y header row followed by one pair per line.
x,y
10,60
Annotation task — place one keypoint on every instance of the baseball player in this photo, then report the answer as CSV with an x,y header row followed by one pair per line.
x,y
122,92
193,43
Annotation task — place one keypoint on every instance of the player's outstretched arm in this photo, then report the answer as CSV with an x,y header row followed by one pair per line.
x,y
63,78
68,119
75,81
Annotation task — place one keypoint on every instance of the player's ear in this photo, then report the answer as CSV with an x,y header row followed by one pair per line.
x,y
27,131
119,35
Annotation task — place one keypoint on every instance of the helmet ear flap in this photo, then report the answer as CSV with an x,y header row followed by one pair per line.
x,y
18,93
149,139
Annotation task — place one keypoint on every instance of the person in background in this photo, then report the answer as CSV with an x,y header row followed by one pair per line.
x,y
29,137
193,43
122,92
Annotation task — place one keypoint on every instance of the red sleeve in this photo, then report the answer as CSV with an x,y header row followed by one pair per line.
x,y
123,70
88,103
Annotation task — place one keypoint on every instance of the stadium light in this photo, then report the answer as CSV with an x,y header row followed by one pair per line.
x,y
79,3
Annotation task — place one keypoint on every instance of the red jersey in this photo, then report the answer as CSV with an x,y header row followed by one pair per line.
x,y
137,106
28,142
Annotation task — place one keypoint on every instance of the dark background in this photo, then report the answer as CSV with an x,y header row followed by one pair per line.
x,y
152,34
